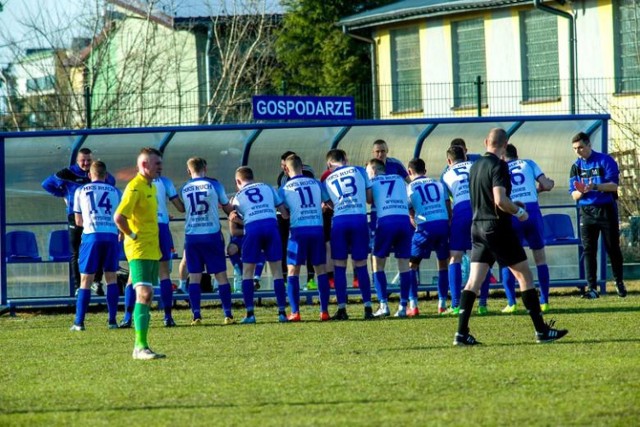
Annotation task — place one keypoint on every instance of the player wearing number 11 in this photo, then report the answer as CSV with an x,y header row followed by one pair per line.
x,y
203,243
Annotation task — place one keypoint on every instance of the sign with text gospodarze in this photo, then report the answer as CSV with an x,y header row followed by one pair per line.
x,y
303,107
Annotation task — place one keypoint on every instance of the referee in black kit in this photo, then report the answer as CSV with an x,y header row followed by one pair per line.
x,y
495,240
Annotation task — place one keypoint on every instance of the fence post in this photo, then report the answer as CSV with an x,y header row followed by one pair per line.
x,y
479,84
87,107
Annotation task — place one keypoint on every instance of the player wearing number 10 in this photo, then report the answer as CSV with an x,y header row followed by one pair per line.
x,y
93,208
350,189
203,243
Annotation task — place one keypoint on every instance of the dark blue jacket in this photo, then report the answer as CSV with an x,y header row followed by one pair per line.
x,y
597,169
65,182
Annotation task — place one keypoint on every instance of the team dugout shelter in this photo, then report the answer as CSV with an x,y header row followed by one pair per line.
x,y
41,276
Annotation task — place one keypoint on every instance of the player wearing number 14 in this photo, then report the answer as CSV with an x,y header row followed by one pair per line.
x,y
203,243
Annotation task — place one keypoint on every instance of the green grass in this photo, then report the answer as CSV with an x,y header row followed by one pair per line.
x,y
385,372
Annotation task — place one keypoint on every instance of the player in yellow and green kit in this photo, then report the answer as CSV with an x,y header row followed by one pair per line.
x,y
137,218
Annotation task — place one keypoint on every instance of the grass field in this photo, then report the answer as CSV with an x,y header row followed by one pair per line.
x,y
383,372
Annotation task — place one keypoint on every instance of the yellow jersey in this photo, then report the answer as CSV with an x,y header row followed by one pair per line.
x,y
140,206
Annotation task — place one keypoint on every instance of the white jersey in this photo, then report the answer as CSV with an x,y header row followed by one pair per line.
x,y
456,178
165,190
201,197
347,187
256,201
303,197
390,195
97,202
428,198
524,175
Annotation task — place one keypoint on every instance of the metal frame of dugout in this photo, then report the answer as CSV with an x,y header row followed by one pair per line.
x,y
29,157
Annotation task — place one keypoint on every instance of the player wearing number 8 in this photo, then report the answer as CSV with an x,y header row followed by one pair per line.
x,y
203,243
349,189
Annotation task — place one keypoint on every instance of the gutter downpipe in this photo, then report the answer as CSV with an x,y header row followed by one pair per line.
x,y
207,62
572,48
374,76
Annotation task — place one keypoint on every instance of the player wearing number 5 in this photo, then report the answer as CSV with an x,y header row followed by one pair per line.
x,y
203,243
93,208
303,196
256,204
349,189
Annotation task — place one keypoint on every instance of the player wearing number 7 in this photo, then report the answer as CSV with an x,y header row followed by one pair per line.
x,y
203,243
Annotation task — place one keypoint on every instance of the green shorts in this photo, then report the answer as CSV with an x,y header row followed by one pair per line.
x,y
144,272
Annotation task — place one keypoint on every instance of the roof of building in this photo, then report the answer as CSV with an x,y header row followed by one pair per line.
x,y
416,9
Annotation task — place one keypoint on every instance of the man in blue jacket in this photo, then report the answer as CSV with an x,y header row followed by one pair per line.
x,y
64,183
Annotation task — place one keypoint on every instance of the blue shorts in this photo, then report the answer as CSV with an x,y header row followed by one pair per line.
x,y
99,252
262,237
427,239
460,234
393,234
166,242
530,230
205,251
306,243
350,234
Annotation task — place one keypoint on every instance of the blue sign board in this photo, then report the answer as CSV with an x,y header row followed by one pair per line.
x,y
303,108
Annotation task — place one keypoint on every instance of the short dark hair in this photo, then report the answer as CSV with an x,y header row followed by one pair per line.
x,y
581,137
245,173
286,154
99,169
512,152
456,152
84,151
458,142
417,165
336,155
294,161
377,165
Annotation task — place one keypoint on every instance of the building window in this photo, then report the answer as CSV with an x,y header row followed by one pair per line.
x,y
539,47
40,84
405,70
468,62
626,21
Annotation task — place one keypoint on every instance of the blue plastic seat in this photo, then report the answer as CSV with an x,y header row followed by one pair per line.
x,y
59,249
558,230
22,246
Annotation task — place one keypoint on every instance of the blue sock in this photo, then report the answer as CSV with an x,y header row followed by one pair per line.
x,y
82,303
224,289
380,283
405,286
258,270
543,279
365,284
247,294
324,292
484,290
129,302
443,284
340,283
455,283
413,285
293,291
112,301
195,297
281,294
166,296
509,285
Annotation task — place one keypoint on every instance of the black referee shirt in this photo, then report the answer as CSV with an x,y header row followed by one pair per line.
x,y
487,172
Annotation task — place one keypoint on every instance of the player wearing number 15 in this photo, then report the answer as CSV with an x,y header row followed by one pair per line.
x,y
350,190
203,243
256,203
93,208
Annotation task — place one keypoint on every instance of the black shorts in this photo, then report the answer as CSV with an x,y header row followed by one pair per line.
x,y
493,241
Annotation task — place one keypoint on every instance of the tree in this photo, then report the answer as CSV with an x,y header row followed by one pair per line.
x,y
314,56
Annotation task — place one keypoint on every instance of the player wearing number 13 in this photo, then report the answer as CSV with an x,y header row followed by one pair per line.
x,y
350,189
203,243
93,206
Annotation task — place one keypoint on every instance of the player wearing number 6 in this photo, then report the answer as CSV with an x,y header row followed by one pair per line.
x,y
203,243
256,204
350,189
303,196
94,204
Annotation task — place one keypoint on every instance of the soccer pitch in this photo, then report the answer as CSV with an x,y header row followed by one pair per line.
x,y
381,372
